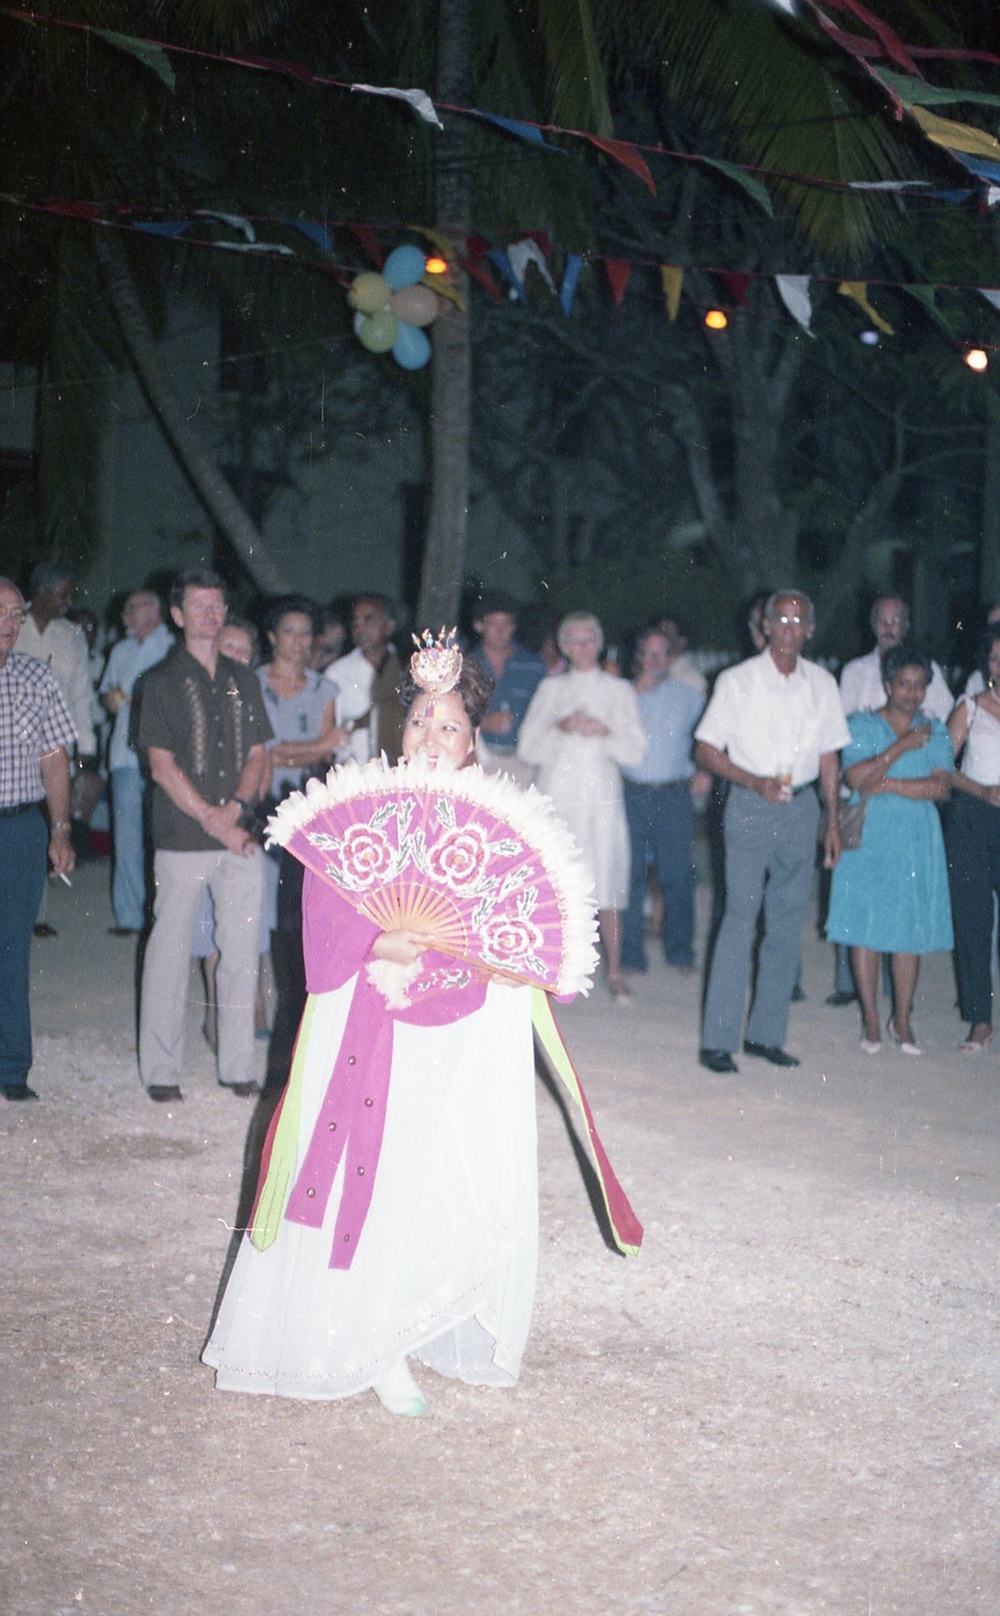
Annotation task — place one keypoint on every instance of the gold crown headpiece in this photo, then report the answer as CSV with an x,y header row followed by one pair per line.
x,y
436,664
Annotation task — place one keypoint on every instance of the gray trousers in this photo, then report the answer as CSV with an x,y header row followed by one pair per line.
x,y
770,858
236,885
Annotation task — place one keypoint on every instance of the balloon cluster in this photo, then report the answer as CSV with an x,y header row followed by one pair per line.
x,y
392,308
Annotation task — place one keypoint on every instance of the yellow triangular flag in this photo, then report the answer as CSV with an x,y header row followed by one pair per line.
x,y
672,279
961,137
859,292
444,244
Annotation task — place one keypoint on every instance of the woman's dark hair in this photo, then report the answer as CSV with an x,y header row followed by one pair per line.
x,y
286,604
475,689
903,656
986,645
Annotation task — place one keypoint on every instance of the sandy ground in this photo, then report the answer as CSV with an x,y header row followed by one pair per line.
x,y
786,1406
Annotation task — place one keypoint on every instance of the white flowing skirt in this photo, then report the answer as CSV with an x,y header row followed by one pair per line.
x,y
592,805
445,1265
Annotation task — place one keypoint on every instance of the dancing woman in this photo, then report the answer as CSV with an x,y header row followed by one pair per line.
x,y
433,1257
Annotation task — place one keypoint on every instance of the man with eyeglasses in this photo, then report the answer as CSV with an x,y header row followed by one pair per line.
x,y
773,728
37,736
861,687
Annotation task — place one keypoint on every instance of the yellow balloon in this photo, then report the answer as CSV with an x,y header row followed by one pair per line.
x,y
369,292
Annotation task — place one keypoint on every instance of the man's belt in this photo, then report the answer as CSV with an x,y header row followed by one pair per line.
x,y
797,791
20,808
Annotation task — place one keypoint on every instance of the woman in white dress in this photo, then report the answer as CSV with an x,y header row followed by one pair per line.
x,y
581,726
434,1254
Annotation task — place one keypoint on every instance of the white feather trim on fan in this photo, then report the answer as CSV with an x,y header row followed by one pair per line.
x,y
394,980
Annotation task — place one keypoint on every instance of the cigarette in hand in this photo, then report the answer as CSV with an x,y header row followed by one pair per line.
x,y
64,877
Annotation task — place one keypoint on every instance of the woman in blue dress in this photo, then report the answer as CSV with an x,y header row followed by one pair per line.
x,y
890,895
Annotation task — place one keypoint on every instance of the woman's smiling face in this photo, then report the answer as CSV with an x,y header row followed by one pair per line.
x,y
439,730
907,689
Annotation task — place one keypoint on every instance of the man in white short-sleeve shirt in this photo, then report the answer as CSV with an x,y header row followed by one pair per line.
x,y
861,686
773,728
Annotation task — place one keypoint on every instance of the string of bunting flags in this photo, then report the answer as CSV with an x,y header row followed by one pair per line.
x,y
974,149
404,293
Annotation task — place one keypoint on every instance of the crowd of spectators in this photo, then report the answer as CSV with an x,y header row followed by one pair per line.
x,y
196,722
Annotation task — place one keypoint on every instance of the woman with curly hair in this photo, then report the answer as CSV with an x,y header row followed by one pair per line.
x,y
890,895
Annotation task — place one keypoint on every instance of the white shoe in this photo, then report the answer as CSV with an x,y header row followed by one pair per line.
x,y
398,1392
906,1048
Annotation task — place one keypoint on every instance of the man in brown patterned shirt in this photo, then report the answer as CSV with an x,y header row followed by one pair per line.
x,y
202,726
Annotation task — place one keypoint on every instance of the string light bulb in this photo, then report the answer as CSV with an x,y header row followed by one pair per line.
x,y
436,266
975,358
716,320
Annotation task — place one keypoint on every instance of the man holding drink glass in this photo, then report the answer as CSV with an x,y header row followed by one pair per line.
x,y
773,728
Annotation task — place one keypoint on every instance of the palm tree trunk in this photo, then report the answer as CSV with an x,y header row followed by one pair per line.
x,y
451,372
201,470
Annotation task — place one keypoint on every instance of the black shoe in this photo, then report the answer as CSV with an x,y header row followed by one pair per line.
x,y
18,1091
841,997
717,1060
122,931
770,1052
798,997
43,929
243,1091
163,1092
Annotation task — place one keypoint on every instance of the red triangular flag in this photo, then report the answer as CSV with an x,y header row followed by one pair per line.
x,y
627,156
618,271
482,275
736,284
891,43
369,241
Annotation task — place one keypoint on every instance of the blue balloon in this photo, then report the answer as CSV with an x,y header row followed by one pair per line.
x,y
404,267
411,348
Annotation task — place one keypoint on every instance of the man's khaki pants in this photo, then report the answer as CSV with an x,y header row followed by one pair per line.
x,y
236,885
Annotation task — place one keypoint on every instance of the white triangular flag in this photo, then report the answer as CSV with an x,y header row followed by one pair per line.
x,y
419,100
794,293
522,253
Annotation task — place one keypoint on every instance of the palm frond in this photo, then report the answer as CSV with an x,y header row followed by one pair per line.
x,y
768,93
579,86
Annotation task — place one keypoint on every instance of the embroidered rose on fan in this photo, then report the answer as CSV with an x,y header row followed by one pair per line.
x,y
509,939
365,856
459,858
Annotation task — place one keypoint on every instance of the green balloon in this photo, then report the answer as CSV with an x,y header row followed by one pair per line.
x,y
379,331
369,292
